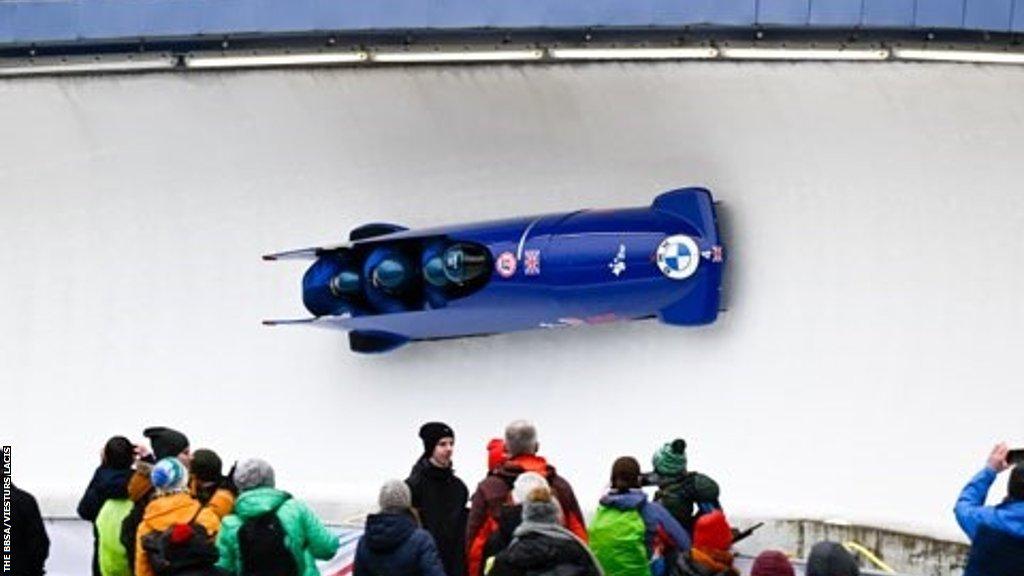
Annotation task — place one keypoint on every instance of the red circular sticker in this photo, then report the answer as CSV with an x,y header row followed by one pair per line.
x,y
506,264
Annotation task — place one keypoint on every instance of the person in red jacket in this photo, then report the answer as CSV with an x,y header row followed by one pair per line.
x,y
494,493
711,554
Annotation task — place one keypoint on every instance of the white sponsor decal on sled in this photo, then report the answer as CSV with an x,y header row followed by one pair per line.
x,y
678,257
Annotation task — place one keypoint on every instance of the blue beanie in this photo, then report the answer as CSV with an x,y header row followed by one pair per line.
x,y
169,475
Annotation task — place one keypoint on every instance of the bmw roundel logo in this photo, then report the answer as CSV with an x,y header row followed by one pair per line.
x,y
678,257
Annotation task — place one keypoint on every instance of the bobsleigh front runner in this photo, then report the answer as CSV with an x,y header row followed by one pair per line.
x,y
388,285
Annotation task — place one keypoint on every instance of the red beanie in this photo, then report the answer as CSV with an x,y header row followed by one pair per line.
x,y
712,531
772,563
495,453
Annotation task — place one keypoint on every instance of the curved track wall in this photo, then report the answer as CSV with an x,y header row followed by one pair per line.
x,y
870,357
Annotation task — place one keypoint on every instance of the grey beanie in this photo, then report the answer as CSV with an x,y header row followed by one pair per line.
x,y
395,495
542,507
831,559
253,473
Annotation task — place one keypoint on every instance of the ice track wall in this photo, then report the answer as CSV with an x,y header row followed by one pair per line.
x,y
870,357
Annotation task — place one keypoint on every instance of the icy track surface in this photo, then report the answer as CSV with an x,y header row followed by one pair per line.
x,y
870,358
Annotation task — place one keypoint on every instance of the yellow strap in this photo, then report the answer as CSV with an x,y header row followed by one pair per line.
x,y
854,547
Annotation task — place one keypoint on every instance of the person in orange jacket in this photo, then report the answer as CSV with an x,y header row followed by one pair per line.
x,y
172,505
166,443
494,493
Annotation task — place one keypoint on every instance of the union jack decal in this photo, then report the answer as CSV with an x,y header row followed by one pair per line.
x,y
531,262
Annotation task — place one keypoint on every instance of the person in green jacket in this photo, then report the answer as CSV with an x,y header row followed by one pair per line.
x,y
306,537
112,556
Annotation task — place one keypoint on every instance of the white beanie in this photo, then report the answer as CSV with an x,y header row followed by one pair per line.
x,y
525,484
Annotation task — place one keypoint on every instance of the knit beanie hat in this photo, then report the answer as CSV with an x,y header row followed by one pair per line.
x,y
118,453
712,531
495,453
169,476
253,473
526,483
772,563
206,465
625,474
432,432
541,507
831,559
1015,487
670,459
395,495
166,442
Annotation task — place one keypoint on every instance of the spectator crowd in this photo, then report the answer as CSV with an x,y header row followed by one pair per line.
x,y
167,510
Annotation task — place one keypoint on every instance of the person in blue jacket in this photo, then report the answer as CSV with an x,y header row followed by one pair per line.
x,y
996,532
393,543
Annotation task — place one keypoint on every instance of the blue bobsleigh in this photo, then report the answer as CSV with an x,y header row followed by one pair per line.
x,y
388,285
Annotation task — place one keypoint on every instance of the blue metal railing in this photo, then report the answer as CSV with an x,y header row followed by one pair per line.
x,y
77,21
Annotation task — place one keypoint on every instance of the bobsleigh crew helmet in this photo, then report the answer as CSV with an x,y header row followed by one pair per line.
x,y
391,274
457,264
464,262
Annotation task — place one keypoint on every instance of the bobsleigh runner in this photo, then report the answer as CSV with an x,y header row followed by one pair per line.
x,y
389,285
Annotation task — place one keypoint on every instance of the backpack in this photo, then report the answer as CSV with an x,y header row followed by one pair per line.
x,y
130,526
682,495
180,548
617,538
506,518
262,548
509,518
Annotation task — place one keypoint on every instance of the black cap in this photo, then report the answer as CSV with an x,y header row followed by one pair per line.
x,y
166,442
206,465
432,432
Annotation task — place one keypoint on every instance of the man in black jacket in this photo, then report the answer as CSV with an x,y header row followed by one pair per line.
x,y
30,546
109,482
440,497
